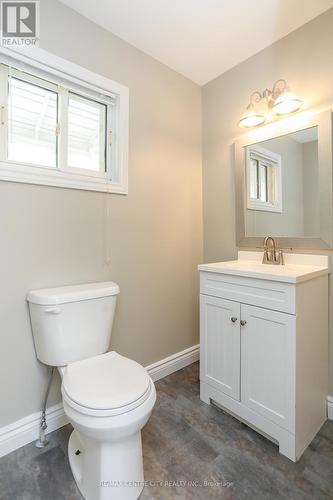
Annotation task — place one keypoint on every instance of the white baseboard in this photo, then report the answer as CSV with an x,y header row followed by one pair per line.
x,y
330,407
26,430
173,363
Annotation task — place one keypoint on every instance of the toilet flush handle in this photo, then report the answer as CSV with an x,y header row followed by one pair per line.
x,y
53,310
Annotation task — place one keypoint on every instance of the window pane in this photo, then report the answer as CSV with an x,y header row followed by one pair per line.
x,y
270,184
86,133
254,179
263,183
32,122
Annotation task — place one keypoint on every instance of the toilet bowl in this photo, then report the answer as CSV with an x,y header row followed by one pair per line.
x,y
107,397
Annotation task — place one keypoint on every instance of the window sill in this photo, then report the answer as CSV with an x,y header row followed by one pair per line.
x,y
48,176
263,207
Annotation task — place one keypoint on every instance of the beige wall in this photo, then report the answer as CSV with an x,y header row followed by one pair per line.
x,y
53,236
304,58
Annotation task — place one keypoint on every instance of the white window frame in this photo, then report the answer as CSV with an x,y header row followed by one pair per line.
x,y
275,189
71,77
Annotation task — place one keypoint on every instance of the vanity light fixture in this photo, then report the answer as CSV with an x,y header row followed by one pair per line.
x,y
280,100
287,103
251,117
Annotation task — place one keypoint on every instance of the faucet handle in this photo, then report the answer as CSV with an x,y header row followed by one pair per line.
x,y
281,257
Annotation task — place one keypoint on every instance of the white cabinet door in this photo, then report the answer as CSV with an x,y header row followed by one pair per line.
x,y
268,363
220,344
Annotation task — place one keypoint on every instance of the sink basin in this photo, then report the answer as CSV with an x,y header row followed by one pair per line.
x,y
297,268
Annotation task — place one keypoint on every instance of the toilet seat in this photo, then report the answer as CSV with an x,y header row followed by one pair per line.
x,y
105,385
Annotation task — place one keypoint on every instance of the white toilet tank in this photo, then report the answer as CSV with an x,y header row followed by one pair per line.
x,y
71,323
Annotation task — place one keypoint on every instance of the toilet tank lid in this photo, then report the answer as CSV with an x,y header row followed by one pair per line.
x,y
73,293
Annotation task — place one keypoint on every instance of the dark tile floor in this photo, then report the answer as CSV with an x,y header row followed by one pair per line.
x,y
186,443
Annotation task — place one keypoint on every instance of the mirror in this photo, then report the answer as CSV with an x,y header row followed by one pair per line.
x,y
284,181
282,188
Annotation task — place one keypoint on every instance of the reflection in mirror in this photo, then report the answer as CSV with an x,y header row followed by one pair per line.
x,y
282,188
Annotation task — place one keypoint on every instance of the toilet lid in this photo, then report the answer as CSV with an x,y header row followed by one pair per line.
x,y
107,381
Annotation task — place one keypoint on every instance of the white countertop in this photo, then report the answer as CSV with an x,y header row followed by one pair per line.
x,y
297,268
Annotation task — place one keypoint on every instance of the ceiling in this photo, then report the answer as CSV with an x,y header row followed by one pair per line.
x,y
200,38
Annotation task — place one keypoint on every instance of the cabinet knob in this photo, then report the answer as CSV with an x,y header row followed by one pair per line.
x,y
233,319
243,322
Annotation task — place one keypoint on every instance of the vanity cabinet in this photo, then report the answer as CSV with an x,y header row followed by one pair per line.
x,y
263,352
220,344
268,340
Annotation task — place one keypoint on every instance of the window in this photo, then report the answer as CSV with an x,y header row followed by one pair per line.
x,y
32,122
87,130
58,129
263,172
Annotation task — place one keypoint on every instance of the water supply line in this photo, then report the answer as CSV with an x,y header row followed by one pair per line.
x,y
42,441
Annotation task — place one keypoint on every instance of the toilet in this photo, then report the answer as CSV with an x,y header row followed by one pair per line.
x,y
107,397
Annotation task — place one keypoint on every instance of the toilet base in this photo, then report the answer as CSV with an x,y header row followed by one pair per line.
x,y
107,470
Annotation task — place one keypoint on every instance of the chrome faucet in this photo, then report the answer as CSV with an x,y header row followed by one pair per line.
x,y
271,254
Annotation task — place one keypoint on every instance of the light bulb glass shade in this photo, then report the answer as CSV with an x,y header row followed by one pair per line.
x,y
251,118
287,103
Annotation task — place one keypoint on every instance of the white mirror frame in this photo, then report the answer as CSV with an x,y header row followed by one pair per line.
x,y
321,120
